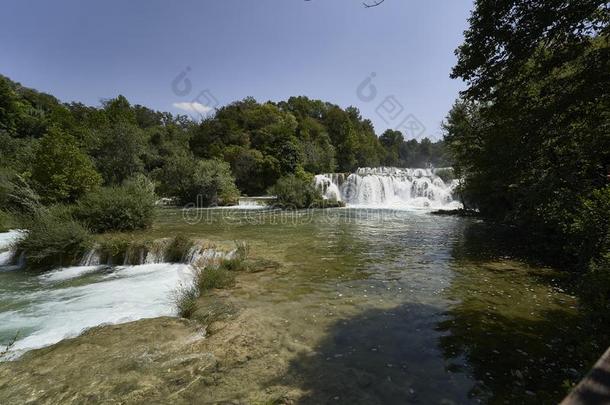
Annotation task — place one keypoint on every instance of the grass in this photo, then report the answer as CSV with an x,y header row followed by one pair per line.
x,y
214,277
207,278
185,300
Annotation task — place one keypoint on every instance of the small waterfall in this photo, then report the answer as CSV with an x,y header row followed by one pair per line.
x,y
91,258
8,255
255,202
390,187
155,252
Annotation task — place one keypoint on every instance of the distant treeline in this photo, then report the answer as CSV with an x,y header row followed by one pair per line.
x,y
63,150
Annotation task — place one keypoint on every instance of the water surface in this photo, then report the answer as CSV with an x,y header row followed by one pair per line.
x,y
387,306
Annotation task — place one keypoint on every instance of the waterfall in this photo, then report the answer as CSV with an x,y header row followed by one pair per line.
x,y
8,255
154,252
390,187
91,258
199,254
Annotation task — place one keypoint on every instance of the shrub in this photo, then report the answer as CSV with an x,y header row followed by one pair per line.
x,y
213,277
16,194
118,208
296,192
178,248
115,250
53,238
590,230
596,286
203,182
6,221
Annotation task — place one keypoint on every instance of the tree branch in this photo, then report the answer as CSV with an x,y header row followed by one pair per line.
x,y
369,5
375,4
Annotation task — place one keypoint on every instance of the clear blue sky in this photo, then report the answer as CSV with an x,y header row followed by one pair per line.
x,y
270,49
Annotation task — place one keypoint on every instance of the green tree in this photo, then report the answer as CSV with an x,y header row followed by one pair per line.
x,y
61,171
391,141
207,182
118,155
532,135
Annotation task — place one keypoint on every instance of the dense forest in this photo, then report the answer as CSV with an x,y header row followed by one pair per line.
x,y
65,150
531,133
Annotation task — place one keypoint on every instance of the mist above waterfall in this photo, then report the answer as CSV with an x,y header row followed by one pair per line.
x,y
390,187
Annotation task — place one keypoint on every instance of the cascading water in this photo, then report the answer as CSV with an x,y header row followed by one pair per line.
x,y
6,251
46,308
390,187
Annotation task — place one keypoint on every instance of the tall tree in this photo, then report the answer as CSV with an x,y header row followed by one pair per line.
x,y
61,171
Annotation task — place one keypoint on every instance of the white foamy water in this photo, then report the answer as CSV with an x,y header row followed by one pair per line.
x,y
69,273
62,303
6,240
389,187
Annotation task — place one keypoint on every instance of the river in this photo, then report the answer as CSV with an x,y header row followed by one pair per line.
x,y
384,306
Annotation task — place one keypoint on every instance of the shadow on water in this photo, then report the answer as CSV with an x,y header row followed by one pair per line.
x,y
512,327
516,360
379,357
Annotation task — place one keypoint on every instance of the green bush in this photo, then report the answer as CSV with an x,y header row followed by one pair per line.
x,y
178,248
295,192
120,249
213,277
6,221
16,194
53,238
596,286
590,231
202,182
127,207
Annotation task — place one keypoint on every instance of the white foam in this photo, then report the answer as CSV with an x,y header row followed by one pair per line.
x,y
127,294
7,238
68,273
6,254
5,258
